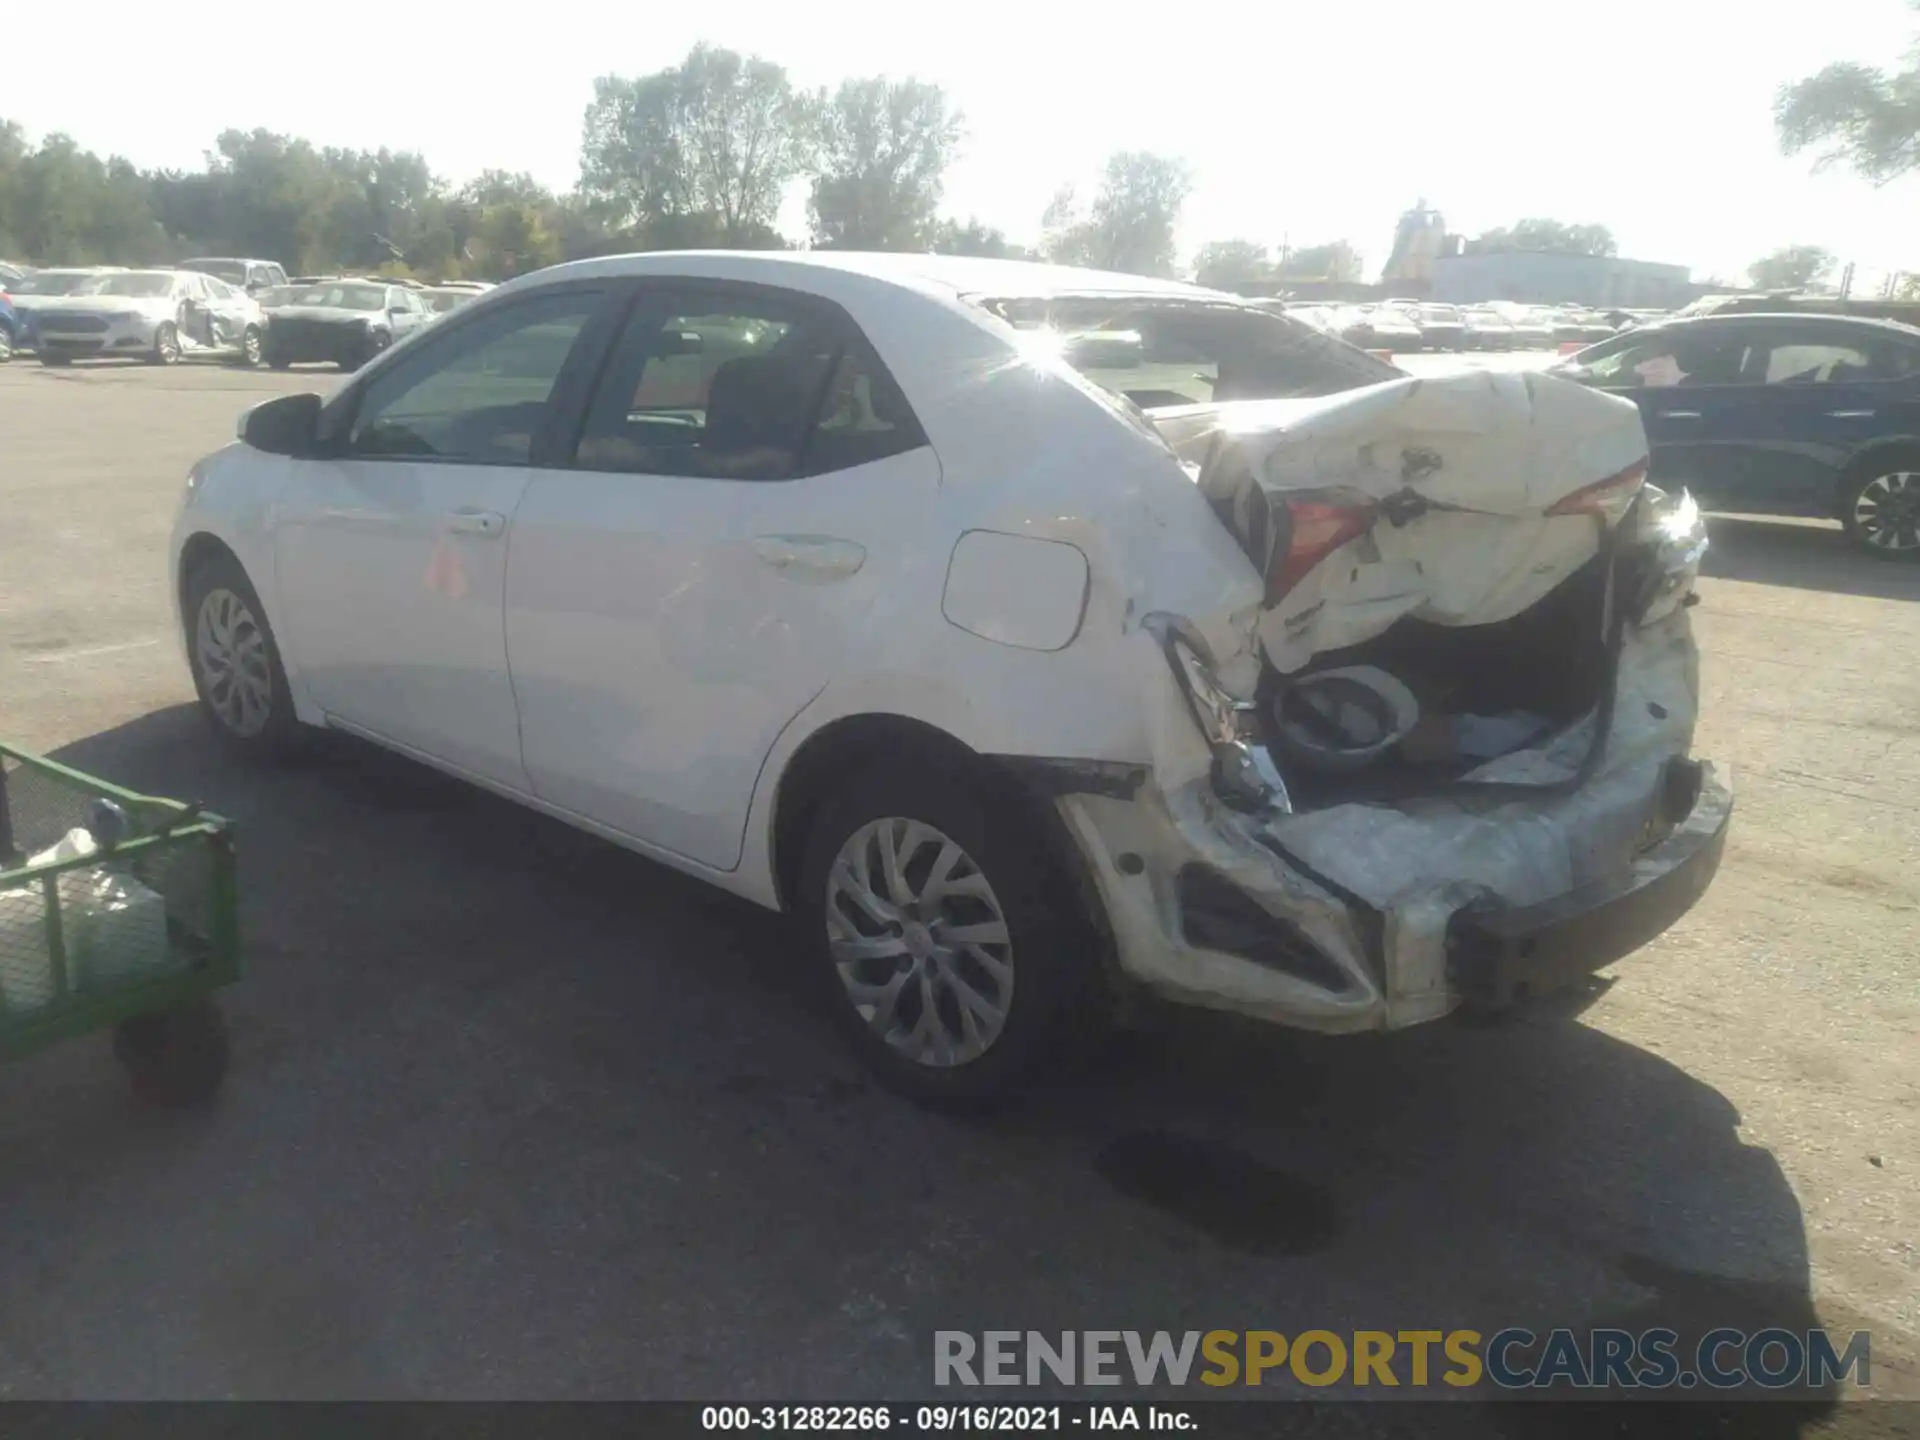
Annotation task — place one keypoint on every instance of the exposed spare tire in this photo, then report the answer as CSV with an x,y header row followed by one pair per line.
x,y
1339,721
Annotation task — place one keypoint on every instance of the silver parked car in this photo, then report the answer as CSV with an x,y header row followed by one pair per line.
x,y
153,315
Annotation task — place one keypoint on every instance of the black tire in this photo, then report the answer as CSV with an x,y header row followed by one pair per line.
x,y
166,345
176,1058
1898,514
280,735
277,361
250,348
1056,1004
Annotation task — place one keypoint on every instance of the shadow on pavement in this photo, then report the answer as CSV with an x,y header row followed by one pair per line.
x,y
515,1114
1803,557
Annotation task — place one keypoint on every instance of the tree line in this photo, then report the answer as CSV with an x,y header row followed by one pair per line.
x,y
699,154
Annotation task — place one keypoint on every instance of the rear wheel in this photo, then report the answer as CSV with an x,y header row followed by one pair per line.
x,y
956,964
1880,509
249,347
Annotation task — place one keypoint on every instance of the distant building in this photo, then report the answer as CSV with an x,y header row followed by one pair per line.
x,y
1419,240
1551,277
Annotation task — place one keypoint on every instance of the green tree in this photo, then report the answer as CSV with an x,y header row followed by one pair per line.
x,y
883,151
950,237
1130,225
1336,260
720,133
1858,116
1541,234
1223,264
1791,267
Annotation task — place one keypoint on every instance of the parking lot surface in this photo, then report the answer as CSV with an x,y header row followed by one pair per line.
x,y
516,1114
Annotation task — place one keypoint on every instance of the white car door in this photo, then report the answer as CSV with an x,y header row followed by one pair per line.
x,y
745,488
391,549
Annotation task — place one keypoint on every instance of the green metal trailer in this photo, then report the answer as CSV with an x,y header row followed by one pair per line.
x,y
129,926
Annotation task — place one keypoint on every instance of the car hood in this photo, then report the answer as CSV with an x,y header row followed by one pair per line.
x,y
111,304
1458,473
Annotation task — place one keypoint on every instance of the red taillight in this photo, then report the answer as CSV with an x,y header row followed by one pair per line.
x,y
1607,498
1317,530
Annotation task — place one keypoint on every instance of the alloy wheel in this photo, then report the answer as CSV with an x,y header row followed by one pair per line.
x,y
920,942
1886,513
231,649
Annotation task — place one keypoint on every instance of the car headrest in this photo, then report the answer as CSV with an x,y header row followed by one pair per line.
x,y
757,400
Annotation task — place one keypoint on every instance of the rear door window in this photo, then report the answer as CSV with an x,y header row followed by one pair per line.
x,y
738,384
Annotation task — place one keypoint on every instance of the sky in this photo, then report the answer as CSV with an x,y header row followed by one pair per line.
x,y
1301,124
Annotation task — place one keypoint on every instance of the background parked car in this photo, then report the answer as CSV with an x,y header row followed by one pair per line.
x,y
1379,327
155,315
1443,327
252,276
445,299
39,288
1779,415
1487,329
9,325
10,272
342,322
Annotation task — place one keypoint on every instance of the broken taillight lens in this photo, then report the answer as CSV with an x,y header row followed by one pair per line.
x,y
1608,499
1315,530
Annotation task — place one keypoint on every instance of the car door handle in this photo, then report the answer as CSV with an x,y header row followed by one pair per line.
x,y
815,557
477,522
1849,414
1679,414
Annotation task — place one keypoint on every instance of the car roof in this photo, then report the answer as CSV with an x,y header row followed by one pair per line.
x,y
952,274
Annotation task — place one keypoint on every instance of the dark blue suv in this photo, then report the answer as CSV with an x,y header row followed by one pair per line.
x,y
1779,415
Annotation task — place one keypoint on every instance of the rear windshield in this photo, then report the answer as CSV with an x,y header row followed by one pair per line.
x,y
231,271
1164,352
341,297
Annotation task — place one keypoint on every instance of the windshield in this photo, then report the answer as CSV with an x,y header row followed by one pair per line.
x,y
136,285
342,297
1166,352
441,301
54,282
231,271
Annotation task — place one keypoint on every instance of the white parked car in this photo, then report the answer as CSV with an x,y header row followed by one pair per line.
x,y
996,622
155,315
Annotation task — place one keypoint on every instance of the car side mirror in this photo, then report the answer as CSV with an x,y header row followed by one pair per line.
x,y
288,425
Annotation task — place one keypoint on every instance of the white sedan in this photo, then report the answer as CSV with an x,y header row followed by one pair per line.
x,y
1041,639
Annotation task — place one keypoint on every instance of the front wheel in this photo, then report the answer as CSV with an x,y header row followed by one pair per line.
x,y
166,345
236,662
956,962
1881,510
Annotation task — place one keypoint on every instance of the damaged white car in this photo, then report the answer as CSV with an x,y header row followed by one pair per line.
x,y
1038,638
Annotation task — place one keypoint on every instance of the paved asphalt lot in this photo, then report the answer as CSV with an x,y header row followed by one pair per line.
x,y
515,1114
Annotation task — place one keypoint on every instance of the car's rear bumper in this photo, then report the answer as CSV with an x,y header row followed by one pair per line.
x,y
1499,957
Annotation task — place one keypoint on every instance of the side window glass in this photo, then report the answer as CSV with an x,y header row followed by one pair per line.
x,y
1817,363
721,389
480,394
865,416
749,390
